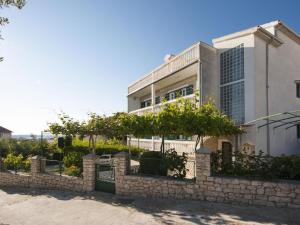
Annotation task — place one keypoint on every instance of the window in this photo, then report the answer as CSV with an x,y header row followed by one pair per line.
x,y
183,92
232,64
157,99
189,90
232,101
146,103
298,131
298,89
232,83
172,95
179,92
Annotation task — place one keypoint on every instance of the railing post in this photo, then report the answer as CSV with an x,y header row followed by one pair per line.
x,y
202,164
89,172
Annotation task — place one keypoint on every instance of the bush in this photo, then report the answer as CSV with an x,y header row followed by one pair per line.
x,y
25,147
73,159
176,163
27,165
156,163
103,147
72,171
260,166
152,163
12,162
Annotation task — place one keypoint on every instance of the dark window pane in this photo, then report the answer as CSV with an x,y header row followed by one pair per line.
x,y
189,90
157,99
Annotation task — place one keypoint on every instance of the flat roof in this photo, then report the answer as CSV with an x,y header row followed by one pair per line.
x,y
261,29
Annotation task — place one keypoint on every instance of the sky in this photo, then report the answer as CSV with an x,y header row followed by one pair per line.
x,y
79,56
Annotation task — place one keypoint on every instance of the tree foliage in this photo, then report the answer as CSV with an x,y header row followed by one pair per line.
x,y
182,117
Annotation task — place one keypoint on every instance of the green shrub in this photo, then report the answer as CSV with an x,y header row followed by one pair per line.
x,y
260,166
25,147
72,171
73,159
152,163
176,163
12,162
26,165
156,163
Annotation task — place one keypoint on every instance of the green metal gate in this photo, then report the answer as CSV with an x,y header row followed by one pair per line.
x,y
105,178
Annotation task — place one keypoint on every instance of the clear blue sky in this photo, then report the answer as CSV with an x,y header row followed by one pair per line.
x,y
80,56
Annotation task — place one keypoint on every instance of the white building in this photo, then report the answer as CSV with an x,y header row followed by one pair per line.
x,y
251,74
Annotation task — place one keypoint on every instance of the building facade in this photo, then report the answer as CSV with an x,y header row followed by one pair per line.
x,y
250,74
5,133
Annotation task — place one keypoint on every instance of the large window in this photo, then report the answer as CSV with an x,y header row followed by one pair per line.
x,y
146,103
232,83
188,90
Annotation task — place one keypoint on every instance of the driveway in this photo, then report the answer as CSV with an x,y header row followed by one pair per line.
x,y
23,206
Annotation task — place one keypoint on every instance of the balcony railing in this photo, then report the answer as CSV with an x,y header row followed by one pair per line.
x,y
180,61
157,107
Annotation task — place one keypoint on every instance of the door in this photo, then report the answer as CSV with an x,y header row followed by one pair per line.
x,y
226,153
105,178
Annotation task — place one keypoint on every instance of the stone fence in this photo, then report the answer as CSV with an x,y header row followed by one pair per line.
x,y
37,178
204,187
207,187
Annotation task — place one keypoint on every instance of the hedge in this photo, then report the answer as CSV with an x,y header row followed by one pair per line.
x,y
259,166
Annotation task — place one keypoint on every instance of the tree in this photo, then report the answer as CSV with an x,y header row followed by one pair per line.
x,y
205,120
92,128
8,3
165,122
67,126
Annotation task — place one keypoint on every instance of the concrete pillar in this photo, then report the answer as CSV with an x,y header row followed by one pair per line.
x,y
38,164
89,172
122,168
202,164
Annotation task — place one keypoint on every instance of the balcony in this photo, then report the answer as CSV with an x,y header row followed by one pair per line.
x,y
182,60
157,107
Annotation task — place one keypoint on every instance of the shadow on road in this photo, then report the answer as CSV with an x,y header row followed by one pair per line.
x,y
169,211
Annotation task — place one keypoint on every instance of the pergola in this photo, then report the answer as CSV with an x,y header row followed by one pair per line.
x,y
285,120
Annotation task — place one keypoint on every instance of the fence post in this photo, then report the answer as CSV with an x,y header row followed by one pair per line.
x,y
89,172
122,168
202,164
38,164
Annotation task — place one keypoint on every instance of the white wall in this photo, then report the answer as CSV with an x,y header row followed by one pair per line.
x,y
284,69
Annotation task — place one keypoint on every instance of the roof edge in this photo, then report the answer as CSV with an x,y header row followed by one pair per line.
x,y
258,30
288,31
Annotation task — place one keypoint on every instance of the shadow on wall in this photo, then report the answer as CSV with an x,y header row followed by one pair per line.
x,y
172,211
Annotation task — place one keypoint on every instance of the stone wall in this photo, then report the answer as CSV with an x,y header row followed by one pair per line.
x,y
206,187
39,179
42,181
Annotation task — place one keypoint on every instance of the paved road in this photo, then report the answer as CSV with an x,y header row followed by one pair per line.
x,y
27,207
